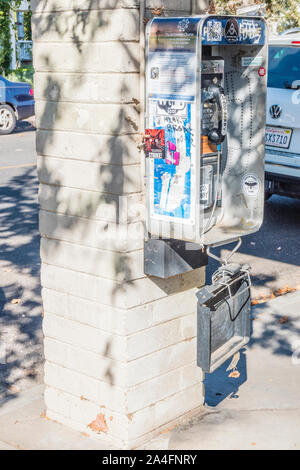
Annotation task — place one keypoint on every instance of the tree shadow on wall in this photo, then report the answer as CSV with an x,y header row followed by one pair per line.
x,y
72,205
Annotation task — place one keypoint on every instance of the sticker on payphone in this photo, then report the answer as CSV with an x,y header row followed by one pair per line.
x,y
155,143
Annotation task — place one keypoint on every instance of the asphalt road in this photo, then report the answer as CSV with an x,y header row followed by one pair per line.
x,y
274,254
20,301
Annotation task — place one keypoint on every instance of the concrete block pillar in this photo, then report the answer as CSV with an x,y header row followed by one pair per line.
x,y
120,347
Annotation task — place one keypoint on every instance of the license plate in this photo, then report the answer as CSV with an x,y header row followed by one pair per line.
x,y
278,137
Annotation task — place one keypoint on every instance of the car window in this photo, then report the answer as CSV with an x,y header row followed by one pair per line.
x,y
284,66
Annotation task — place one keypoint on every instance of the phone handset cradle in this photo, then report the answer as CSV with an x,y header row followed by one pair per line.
x,y
215,94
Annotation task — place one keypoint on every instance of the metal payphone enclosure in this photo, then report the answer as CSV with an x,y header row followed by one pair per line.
x,y
201,71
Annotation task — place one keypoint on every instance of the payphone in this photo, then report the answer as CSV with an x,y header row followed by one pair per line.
x,y
205,92
206,87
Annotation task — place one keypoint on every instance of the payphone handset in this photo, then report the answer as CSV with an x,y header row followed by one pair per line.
x,y
214,105
213,133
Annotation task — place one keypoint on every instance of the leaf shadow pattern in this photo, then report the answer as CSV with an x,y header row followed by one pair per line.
x,y
103,207
51,115
276,335
20,321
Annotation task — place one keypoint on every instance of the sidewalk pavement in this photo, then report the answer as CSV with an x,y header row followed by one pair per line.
x,y
258,410
22,427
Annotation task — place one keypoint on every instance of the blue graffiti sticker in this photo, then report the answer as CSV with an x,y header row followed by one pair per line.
x,y
172,176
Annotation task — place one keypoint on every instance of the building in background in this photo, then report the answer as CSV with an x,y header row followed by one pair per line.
x,y
20,32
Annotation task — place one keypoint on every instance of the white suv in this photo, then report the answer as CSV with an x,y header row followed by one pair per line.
x,y
282,164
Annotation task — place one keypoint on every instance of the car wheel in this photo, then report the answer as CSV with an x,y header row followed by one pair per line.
x,y
7,119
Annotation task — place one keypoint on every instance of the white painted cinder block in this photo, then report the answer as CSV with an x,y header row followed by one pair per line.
x,y
90,175
117,320
127,294
85,387
85,337
128,348
107,119
97,234
165,411
126,401
104,317
76,359
92,88
118,372
84,259
126,208
120,347
89,26
111,150
88,58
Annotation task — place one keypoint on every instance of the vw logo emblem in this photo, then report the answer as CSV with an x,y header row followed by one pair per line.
x,y
275,111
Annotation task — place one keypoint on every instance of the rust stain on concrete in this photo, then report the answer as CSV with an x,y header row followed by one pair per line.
x,y
99,424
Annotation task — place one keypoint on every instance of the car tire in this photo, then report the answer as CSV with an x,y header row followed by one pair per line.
x,y
7,119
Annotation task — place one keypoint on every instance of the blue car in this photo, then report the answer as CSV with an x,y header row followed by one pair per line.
x,y
16,103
